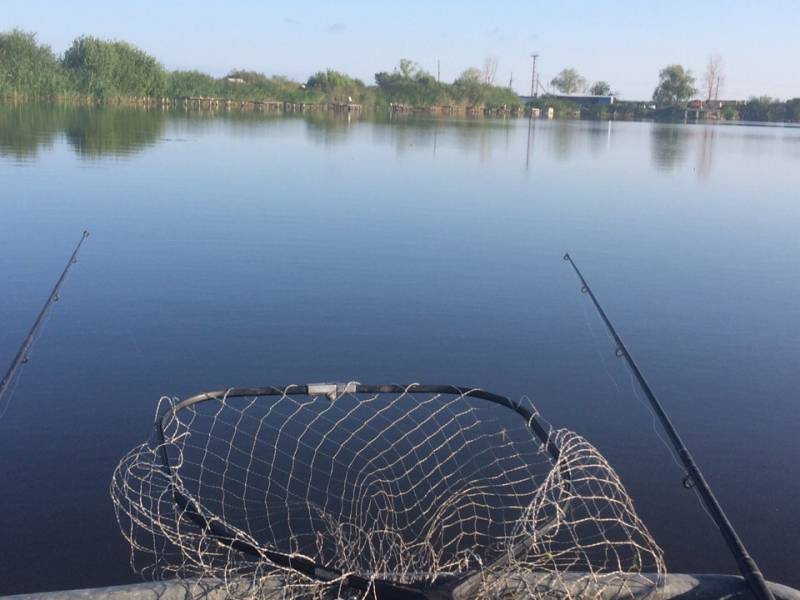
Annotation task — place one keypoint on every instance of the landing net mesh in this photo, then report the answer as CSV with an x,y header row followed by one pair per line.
x,y
409,488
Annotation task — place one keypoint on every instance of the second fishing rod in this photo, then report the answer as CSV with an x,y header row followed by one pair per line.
x,y
694,477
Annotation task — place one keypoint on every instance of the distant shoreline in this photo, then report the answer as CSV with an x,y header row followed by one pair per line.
x,y
277,107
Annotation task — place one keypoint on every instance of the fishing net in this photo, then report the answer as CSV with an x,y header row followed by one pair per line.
x,y
366,491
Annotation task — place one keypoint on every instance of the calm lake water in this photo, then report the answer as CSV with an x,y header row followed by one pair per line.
x,y
249,250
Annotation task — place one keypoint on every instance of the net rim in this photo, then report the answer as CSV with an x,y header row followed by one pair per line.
x,y
535,423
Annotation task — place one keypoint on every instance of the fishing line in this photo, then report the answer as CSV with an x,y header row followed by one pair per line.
x,y
669,448
635,391
596,347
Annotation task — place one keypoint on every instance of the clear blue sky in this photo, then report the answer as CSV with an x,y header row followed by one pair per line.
x,y
623,42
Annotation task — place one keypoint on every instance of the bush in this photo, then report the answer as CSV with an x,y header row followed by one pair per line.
x,y
336,86
729,113
108,70
793,110
181,84
27,67
764,108
411,85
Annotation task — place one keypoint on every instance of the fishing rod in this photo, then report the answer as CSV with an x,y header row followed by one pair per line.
x,y
694,478
22,355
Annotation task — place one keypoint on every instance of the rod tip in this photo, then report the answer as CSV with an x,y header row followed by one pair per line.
x,y
85,233
566,256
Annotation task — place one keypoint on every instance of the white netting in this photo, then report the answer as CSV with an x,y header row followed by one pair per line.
x,y
410,488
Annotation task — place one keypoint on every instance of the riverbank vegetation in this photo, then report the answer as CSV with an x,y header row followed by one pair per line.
x,y
96,71
102,71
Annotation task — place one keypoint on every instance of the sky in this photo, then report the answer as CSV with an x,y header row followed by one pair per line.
x,y
623,42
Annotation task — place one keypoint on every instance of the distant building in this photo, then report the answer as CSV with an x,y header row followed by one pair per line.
x,y
234,80
719,104
586,99
579,99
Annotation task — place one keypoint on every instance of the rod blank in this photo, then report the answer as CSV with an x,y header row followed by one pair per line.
x,y
22,355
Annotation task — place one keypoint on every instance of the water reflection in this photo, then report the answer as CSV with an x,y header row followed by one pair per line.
x,y
92,132
329,129
26,129
96,133
531,141
705,154
599,137
409,134
562,139
668,145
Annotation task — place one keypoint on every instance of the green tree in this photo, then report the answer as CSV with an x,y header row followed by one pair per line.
x,y
337,86
675,86
27,67
408,68
764,108
793,110
182,84
109,69
468,87
470,75
729,113
472,89
568,81
600,88
251,85
411,85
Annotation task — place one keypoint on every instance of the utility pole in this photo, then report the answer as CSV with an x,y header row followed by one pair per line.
x,y
438,70
511,80
534,91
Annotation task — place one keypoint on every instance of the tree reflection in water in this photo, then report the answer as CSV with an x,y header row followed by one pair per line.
x,y
668,145
92,132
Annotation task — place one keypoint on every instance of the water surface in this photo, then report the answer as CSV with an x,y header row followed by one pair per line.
x,y
252,250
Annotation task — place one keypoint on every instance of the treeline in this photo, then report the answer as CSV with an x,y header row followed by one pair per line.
x,y
756,109
103,71
765,108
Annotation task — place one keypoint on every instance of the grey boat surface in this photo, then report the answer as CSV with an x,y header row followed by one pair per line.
x,y
674,587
